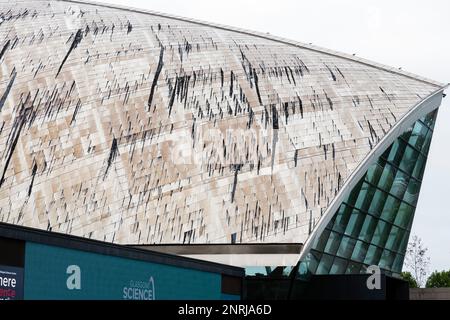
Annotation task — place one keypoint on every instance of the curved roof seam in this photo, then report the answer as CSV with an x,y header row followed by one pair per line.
x,y
285,41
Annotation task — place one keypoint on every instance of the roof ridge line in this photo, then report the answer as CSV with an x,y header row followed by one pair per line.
x,y
259,34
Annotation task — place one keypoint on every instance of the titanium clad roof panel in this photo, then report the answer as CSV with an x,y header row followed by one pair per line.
x,y
137,128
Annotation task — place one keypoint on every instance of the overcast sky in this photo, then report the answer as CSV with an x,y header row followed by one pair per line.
x,y
414,35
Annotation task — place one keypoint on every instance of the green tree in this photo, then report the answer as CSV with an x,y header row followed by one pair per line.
x,y
407,276
417,261
439,280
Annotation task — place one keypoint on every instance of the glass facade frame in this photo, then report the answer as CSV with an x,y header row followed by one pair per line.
x,y
372,225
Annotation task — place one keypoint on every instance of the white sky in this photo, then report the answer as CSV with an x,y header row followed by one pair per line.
x,y
414,35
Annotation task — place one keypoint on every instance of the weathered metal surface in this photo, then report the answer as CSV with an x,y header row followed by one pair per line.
x,y
133,127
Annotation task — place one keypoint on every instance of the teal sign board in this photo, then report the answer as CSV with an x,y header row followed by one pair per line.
x,y
60,273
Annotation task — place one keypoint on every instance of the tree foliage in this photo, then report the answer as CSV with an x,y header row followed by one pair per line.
x,y
417,261
407,276
439,280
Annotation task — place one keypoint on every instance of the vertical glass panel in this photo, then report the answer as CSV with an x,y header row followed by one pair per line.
x,y
360,251
390,209
398,263
394,239
368,228
429,119
333,243
312,261
373,255
354,193
385,154
364,204
381,233
354,224
418,135
404,215
363,196
400,184
404,243
405,135
303,268
409,160
325,264
346,248
420,167
396,153
412,192
374,173
342,218
323,239
376,207
426,144
339,266
387,259
387,177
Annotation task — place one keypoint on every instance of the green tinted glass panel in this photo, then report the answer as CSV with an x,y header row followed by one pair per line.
x,y
412,192
368,228
394,239
333,243
373,255
325,264
364,201
374,173
418,135
398,262
346,248
387,177
355,222
340,223
426,144
354,194
395,156
429,119
400,184
339,266
420,167
409,160
323,239
405,135
377,205
360,251
313,260
387,259
390,208
381,233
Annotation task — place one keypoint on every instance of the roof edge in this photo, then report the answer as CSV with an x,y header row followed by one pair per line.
x,y
68,241
225,248
264,36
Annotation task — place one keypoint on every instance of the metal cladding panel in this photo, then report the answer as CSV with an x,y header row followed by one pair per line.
x,y
139,128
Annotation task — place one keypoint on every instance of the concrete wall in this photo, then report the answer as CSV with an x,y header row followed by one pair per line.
x,y
429,294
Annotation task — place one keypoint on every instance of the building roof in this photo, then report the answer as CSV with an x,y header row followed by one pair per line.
x,y
135,127
263,36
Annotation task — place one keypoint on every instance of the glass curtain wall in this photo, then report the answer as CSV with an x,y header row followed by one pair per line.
x,y
373,224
